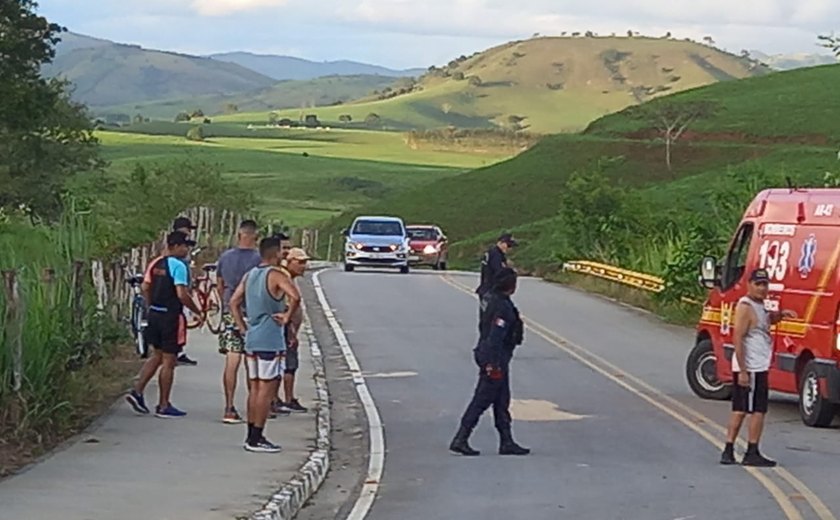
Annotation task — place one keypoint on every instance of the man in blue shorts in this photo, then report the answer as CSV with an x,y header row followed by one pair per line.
x,y
167,292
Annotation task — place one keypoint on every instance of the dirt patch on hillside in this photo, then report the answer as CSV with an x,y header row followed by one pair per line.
x,y
96,388
736,137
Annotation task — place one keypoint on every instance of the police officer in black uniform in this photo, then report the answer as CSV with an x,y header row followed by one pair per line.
x,y
501,331
494,260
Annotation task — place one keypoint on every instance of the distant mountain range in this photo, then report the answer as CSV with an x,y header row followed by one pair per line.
x,y
793,61
287,67
108,74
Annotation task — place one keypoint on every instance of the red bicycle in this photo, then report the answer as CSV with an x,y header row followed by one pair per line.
x,y
206,295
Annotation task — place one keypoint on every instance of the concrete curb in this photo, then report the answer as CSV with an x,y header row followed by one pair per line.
x,y
289,500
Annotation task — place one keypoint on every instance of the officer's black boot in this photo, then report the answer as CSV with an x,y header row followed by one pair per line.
x,y
460,444
507,446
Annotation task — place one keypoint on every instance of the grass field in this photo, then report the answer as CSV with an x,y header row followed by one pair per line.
x,y
343,170
641,215
555,84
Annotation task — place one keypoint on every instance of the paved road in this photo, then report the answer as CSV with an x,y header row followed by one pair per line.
x,y
144,468
605,444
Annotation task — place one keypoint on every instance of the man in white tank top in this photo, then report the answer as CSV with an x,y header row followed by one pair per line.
x,y
750,368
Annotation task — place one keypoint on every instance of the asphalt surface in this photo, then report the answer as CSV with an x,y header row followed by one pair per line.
x,y
602,446
131,467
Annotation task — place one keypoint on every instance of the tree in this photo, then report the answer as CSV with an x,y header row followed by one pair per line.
x,y
272,118
231,108
311,121
197,113
195,133
345,118
182,117
475,81
630,33
458,76
373,119
673,119
45,138
589,34
138,119
709,41
830,42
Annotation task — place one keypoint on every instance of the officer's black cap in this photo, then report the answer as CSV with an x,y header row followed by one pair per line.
x,y
508,239
179,238
182,223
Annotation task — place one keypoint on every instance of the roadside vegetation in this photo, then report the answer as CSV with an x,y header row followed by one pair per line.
x,y
61,207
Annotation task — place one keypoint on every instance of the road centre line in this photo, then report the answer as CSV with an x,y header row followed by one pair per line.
x,y
376,459
676,410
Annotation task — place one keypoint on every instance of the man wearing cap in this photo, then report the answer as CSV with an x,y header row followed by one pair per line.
x,y
186,226
231,267
501,331
494,260
166,292
293,266
750,368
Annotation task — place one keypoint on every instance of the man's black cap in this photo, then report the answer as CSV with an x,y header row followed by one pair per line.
x,y
179,238
183,222
508,239
760,276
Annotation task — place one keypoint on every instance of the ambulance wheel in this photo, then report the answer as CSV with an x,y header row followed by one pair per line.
x,y
701,372
348,268
814,409
404,269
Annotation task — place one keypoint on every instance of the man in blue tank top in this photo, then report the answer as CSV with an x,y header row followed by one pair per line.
x,y
271,299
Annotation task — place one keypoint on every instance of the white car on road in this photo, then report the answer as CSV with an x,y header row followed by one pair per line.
x,y
376,241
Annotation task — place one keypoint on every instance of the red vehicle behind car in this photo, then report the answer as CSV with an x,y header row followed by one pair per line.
x,y
427,246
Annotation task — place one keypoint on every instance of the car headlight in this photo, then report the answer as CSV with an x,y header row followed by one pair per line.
x,y
358,246
430,249
394,247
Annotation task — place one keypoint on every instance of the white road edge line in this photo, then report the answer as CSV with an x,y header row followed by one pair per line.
x,y
376,461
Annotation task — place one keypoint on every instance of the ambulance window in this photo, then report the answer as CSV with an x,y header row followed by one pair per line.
x,y
737,258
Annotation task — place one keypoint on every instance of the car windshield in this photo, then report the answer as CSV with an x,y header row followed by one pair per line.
x,y
378,227
421,234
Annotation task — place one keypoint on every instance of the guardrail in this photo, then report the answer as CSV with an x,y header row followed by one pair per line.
x,y
643,281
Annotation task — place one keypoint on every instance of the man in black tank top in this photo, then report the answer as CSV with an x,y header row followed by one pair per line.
x,y
166,294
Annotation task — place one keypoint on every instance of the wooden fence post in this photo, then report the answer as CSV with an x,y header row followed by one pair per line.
x,y
329,248
78,292
13,329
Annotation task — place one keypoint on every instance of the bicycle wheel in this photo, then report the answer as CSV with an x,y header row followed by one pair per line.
x,y
195,320
213,310
138,326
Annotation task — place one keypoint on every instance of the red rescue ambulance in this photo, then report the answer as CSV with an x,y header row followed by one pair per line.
x,y
795,235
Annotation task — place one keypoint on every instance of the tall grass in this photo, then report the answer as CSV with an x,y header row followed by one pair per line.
x,y
52,337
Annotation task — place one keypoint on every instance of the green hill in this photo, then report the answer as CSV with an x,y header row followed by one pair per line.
x,y
329,90
608,195
548,84
114,74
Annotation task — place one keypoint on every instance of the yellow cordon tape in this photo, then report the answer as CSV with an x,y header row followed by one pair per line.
x,y
645,282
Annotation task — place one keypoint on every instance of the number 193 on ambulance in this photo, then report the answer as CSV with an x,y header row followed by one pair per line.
x,y
795,235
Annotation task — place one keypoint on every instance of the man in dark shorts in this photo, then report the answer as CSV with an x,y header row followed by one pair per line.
x,y
166,293
750,368
231,267
294,265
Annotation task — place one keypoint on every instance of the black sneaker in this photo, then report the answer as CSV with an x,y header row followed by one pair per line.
x,y
184,360
727,458
137,402
758,460
279,408
296,407
263,446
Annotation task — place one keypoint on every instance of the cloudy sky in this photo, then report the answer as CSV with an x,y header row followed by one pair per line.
x,y
418,33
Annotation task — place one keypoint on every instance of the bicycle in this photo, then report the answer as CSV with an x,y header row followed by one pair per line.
x,y
138,315
206,295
